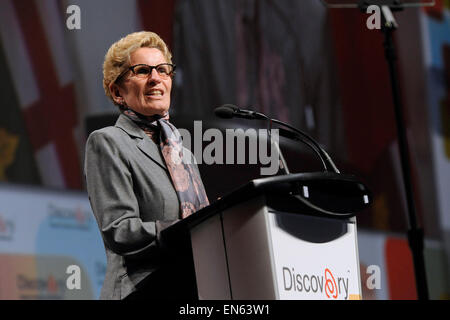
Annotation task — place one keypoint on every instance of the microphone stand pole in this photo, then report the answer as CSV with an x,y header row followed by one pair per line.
x,y
415,232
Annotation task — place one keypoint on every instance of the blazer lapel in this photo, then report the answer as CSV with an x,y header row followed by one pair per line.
x,y
151,149
144,143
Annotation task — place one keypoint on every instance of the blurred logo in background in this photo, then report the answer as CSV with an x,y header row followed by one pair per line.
x,y
7,227
71,218
8,147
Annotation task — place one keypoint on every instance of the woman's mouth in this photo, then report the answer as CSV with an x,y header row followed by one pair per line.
x,y
154,93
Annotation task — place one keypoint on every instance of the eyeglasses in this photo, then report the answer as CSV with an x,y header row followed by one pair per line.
x,y
165,70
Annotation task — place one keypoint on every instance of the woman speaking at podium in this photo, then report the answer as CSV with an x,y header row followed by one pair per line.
x,y
137,178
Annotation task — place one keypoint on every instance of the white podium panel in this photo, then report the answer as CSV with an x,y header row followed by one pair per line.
x,y
314,258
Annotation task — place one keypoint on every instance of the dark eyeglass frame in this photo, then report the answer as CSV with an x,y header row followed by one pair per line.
x,y
151,69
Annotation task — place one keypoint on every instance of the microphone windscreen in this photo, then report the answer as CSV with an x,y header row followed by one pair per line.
x,y
224,112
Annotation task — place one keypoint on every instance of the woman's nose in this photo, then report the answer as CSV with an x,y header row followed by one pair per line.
x,y
154,76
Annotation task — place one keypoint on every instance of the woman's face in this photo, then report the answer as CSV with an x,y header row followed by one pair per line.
x,y
149,95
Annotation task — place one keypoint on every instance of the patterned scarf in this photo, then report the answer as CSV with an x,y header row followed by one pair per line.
x,y
186,180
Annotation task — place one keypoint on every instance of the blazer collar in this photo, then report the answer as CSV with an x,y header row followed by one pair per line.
x,y
145,144
127,125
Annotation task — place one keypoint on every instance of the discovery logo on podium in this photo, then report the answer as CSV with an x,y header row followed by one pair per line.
x,y
326,285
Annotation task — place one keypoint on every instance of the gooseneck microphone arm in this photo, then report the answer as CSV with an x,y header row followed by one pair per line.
x,y
230,111
291,134
326,159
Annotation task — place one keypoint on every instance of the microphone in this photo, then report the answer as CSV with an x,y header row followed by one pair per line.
x,y
228,111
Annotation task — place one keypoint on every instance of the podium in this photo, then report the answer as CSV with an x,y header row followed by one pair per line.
x,y
284,237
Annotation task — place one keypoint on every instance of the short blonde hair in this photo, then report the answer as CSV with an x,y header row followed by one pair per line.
x,y
117,59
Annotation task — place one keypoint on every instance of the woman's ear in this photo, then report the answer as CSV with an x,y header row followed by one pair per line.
x,y
114,89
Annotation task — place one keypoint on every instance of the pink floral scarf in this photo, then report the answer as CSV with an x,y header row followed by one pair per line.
x,y
186,180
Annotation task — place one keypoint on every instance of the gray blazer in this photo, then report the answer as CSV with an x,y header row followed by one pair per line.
x,y
132,198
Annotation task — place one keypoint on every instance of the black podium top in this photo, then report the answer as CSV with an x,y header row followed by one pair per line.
x,y
324,194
